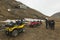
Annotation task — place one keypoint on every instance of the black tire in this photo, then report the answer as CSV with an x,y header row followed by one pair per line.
x,y
34,25
7,33
21,30
31,25
15,33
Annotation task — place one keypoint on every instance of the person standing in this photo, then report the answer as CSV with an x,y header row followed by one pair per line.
x,y
46,22
52,24
19,22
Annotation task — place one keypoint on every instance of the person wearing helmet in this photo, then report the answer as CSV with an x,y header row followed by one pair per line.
x,y
19,22
46,22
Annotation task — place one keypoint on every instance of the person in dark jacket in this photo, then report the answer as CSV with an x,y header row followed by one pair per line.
x,y
52,24
18,22
46,22
10,24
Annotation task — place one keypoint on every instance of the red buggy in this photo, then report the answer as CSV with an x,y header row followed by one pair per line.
x,y
35,23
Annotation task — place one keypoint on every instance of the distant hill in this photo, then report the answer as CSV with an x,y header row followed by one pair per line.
x,y
11,9
56,16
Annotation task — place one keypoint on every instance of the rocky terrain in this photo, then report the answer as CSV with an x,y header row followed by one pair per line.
x,y
11,9
38,33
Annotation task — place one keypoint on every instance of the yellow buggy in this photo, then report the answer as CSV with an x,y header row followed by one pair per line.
x,y
14,30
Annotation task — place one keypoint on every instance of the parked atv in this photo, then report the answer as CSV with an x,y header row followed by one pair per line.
x,y
35,24
13,29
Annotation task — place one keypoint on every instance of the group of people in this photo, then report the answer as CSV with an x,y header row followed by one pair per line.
x,y
18,22
50,24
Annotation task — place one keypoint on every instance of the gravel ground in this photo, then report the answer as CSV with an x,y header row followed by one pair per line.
x,y
38,33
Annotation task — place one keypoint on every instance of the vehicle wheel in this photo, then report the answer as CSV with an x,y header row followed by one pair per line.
x,y
21,30
35,25
38,24
15,33
6,32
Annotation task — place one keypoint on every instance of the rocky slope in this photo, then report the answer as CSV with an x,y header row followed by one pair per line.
x,y
56,16
11,9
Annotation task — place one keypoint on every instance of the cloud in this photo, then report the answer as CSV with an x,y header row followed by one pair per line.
x,y
47,7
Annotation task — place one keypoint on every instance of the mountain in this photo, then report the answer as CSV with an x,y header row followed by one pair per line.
x,y
11,9
56,16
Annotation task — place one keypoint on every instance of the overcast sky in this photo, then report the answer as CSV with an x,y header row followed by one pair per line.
x,y
47,7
